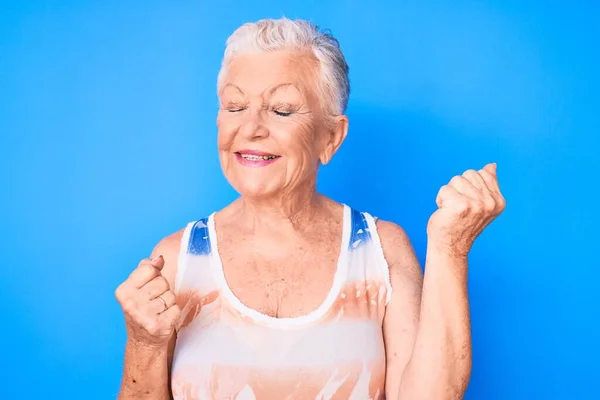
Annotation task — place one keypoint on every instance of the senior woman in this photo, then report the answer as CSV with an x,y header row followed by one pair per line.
x,y
285,293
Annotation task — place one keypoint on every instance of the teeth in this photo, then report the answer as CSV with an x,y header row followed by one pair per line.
x,y
253,157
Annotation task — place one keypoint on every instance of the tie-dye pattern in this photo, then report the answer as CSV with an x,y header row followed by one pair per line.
x,y
226,350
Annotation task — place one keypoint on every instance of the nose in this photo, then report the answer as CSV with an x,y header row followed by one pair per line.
x,y
253,125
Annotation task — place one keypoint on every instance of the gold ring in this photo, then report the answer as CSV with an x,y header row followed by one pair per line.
x,y
164,302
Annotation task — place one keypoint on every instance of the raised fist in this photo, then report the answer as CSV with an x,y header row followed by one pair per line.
x,y
466,205
148,304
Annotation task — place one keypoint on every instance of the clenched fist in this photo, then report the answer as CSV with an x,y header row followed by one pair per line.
x,y
148,304
466,205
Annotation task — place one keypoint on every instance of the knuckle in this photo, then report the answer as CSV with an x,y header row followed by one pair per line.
x,y
489,204
119,293
167,298
122,291
152,327
148,291
462,203
148,270
144,261
477,206
173,315
129,304
501,203
169,293
455,179
163,283
486,176
172,300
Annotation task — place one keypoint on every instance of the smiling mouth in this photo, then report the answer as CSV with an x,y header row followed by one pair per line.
x,y
256,157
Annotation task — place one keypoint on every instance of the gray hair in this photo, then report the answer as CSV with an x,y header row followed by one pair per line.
x,y
286,34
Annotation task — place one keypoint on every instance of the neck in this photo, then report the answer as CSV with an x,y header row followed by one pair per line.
x,y
295,210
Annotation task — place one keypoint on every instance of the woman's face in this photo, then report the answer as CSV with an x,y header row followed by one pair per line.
x,y
271,126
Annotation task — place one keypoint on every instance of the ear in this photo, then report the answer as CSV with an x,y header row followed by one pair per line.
x,y
334,138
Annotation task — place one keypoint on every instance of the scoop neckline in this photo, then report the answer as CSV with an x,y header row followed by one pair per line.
x,y
316,314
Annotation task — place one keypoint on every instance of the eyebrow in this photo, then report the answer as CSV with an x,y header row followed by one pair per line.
x,y
269,92
233,86
277,87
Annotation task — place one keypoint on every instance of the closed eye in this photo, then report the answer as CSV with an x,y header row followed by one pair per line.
x,y
282,113
232,110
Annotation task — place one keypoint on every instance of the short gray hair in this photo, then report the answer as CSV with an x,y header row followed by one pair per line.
x,y
286,34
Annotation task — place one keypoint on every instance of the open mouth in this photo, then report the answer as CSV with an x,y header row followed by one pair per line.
x,y
257,157
253,158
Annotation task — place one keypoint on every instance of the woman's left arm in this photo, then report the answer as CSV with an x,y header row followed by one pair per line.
x,y
426,327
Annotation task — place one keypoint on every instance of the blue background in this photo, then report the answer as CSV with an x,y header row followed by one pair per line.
x,y
108,143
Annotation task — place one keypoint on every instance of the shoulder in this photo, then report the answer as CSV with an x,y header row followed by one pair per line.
x,y
398,252
169,248
169,244
392,235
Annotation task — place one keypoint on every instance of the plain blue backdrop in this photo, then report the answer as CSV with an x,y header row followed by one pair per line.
x,y
108,144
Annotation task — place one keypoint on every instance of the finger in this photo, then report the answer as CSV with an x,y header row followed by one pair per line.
x,y
170,316
464,187
156,306
162,303
155,287
450,198
446,192
169,300
490,180
475,179
158,262
491,168
143,274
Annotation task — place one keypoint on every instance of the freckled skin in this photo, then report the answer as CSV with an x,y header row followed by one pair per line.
x,y
269,104
280,242
279,245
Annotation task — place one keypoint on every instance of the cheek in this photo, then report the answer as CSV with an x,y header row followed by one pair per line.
x,y
297,137
307,145
223,140
299,142
225,133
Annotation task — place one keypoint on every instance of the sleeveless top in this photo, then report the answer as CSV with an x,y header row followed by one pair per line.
x,y
226,350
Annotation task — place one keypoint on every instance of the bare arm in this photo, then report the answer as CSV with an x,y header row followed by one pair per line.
x,y
402,313
147,364
146,372
439,365
426,327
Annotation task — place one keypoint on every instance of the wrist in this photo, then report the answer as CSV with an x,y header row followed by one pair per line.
x,y
446,248
145,348
446,258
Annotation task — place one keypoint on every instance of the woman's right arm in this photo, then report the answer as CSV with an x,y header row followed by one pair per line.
x,y
148,301
146,372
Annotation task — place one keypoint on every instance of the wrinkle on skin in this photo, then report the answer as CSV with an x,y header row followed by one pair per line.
x,y
255,88
281,238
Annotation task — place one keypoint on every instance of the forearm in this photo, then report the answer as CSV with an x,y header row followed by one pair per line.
x,y
440,365
145,373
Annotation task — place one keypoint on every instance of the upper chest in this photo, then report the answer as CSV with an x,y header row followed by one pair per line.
x,y
281,276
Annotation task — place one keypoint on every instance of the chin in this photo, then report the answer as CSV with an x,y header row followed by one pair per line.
x,y
248,186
